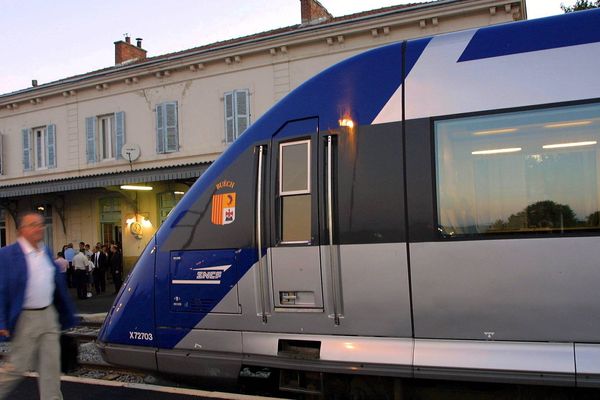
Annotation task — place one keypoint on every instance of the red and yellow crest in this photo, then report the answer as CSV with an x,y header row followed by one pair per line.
x,y
223,208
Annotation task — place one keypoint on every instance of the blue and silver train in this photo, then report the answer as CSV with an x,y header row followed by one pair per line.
x,y
427,209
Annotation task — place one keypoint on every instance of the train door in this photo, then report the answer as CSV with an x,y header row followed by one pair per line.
x,y
295,256
332,221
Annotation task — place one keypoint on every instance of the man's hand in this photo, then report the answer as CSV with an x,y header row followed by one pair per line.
x,y
4,332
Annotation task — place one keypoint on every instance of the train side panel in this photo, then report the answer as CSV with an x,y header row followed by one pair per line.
x,y
437,224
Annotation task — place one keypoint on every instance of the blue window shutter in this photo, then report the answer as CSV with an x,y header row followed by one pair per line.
x,y
90,139
119,133
26,133
229,118
171,127
1,154
160,128
242,111
51,145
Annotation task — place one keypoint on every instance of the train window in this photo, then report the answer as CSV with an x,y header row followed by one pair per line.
x,y
522,172
295,218
294,189
294,165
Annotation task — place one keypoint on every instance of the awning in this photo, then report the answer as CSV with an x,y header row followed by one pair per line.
x,y
104,180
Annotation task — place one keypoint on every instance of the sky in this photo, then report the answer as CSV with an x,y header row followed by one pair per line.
x,y
52,40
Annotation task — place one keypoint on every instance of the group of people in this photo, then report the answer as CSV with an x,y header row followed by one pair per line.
x,y
86,268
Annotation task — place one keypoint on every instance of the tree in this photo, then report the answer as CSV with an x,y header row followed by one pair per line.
x,y
580,5
593,219
540,215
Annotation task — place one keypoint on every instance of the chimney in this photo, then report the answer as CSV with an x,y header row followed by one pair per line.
x,y
313,12
125,51
34,82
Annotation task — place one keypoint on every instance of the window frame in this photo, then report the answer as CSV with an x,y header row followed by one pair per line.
x,y
235,115
39,148
283,195
308,175
439,234
162,130
100,137
39,153
93,136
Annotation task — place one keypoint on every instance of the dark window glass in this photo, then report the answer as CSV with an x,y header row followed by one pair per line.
x,y
295,167
296,215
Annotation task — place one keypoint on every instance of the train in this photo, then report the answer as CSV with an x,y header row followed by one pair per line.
x,y
425,209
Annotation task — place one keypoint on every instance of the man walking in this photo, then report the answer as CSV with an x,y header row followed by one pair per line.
x,y
34,306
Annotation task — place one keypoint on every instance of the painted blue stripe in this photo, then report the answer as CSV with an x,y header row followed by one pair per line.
x,y
535,35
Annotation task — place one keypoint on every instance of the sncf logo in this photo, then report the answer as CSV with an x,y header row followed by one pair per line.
x,y
211,275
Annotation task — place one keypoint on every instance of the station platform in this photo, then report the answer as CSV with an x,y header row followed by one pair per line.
x,y
94,389
98,303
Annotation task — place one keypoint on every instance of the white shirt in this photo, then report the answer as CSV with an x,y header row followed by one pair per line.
x,y
39,289
80,261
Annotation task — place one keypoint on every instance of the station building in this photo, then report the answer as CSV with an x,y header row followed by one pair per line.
x,y
107,154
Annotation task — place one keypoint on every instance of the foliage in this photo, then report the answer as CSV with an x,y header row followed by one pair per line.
x,y
580,5
543,214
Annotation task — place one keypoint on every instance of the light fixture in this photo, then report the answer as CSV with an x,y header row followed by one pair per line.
x,y
135,187
146,223
178,192
495,131
347,122
497,151
572,144
568,124
41,208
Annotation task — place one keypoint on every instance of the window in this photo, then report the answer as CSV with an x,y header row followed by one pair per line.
x,y
294,190
110,220
46,211
522,172
237,114
167,132
166,202
39,148
105,136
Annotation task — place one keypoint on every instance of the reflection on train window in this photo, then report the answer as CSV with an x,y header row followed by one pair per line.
x,y
521,172
295,218
294,166
294,191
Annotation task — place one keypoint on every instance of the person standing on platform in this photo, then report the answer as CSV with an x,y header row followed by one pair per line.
x,y
62,263
69,254
80,264
34,306
100,260
116,267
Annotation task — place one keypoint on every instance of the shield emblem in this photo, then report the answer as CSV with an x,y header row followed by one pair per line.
x,y
223,208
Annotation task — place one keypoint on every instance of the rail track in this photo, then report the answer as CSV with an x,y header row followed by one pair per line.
x,y
91,365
